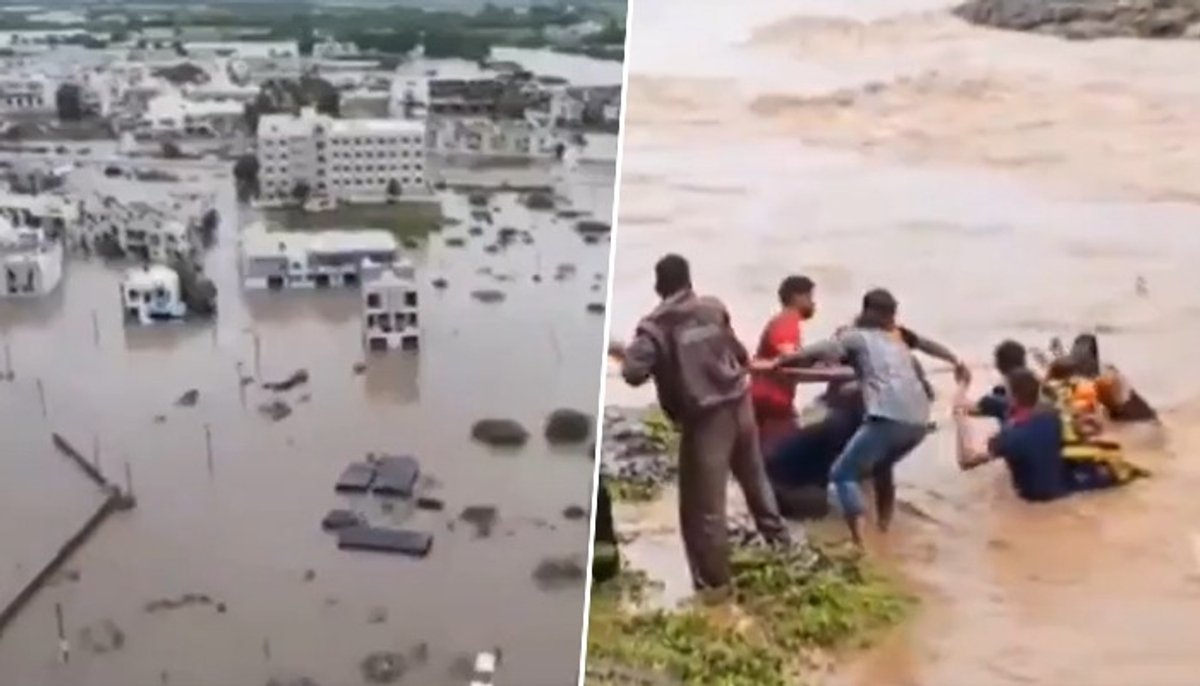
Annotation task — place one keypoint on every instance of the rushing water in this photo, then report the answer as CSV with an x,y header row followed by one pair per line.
x,y
1002,185
246,532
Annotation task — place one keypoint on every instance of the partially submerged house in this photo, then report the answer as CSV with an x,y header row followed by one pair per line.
x,y
152,294
391,317
279,260
31,262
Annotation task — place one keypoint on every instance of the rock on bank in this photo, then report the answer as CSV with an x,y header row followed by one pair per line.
x,y
1088,19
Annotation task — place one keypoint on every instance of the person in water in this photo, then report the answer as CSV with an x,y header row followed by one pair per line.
x,y
895,394
1008,357
1047,458
1120,401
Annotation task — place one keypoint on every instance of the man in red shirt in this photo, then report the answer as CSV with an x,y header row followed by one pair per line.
x,y
774,395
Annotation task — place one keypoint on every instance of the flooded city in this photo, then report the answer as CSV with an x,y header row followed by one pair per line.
x,y
1003,185
227,433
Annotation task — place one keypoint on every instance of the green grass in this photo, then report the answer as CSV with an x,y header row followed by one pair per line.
x,y
405,218
790,611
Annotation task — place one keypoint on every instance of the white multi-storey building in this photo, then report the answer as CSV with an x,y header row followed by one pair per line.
x,y
30,261
27,94
354,160
390,313
276,260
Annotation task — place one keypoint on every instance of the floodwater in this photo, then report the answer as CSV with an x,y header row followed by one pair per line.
x,y
244,529
1003,186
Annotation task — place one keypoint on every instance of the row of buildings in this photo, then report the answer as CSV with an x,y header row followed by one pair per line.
x,y
160,224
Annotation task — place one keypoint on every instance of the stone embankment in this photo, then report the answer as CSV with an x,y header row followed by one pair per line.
x,y
1089,19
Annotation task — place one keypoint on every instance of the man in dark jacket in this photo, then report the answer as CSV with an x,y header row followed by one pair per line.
x,y
699,368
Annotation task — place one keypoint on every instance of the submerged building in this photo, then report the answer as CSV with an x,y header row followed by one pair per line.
x,y
390,309
278,260
152,294
31,262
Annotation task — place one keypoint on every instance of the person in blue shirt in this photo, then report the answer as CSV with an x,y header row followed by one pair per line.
x,y
1009,356
1030,443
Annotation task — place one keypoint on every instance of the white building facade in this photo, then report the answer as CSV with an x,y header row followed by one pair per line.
x,y
275,260
391,318
152,294
31,263
351,160
29,94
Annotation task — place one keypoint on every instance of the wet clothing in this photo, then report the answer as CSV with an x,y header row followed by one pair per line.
x,y
805,457
1122,405
688,348
1031,445
1087,454
994,404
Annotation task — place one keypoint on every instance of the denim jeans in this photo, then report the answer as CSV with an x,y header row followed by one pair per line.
x,y
876,440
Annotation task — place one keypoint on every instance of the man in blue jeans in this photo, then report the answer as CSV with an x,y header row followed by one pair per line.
x,y
895,396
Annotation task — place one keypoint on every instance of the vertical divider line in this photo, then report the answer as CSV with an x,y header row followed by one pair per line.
x,y
608,317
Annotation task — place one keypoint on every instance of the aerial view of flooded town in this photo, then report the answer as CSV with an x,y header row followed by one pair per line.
x,y
301,315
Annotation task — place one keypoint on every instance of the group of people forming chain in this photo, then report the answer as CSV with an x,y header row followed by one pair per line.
x,y
736,412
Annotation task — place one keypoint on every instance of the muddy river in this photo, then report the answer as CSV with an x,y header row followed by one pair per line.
x,y
1002,185
265,592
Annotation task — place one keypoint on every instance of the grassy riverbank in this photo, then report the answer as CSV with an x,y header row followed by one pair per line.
x,y
792,615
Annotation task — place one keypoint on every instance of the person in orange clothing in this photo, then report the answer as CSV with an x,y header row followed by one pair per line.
x,y
774,395
1113,392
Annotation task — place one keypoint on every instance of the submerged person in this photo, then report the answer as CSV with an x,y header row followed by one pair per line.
x,y
699,368
1047,457
1121,402
1008,357
895,394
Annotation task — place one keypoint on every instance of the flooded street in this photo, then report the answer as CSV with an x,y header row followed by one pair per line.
x,y
1002,185
243,531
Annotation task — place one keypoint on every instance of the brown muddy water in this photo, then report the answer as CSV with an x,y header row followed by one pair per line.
x,y
246,534
1004,186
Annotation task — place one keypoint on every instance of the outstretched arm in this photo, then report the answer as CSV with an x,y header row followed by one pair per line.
x,y
638,358
935,350
829,350
969,454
